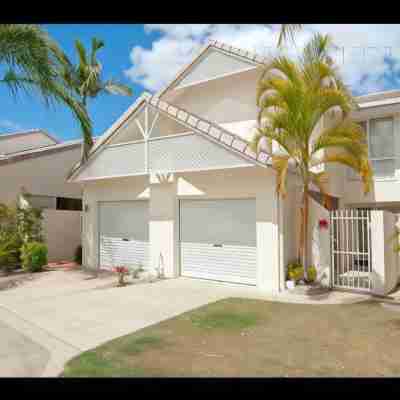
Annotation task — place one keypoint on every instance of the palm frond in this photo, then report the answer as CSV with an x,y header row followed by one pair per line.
x,y
117,88
288,31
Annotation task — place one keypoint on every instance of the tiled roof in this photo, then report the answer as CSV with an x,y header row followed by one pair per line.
x,y
28,132
40,151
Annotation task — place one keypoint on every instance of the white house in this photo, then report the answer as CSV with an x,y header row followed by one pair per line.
x,y
37,163
173,184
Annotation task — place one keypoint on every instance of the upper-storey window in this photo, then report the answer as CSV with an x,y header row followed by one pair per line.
x,y
381,146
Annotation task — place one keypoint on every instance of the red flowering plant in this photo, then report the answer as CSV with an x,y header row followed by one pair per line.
x,y
323,223
121,271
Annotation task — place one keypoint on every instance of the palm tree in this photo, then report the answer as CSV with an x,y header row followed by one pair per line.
x,y
294,97
288,31
85,81
30,58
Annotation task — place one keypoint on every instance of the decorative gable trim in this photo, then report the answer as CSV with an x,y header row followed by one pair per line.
x,y
211,131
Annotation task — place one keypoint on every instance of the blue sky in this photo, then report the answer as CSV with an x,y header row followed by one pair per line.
x,y
147,56
29,112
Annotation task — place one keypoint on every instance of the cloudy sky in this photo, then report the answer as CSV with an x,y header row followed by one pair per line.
x,y
147,56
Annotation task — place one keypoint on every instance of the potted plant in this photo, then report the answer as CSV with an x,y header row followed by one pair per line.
x,y
295,272
311,274
122,272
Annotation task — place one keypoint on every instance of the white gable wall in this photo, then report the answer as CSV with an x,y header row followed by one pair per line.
x,y
213,63
224,100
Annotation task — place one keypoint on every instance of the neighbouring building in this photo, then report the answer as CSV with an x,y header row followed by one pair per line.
x,y
37,163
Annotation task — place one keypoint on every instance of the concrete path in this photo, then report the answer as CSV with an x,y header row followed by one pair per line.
x,y
66,313
20,356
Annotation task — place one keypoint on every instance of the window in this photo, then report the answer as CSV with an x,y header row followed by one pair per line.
x,y
55,203
381,147
64,203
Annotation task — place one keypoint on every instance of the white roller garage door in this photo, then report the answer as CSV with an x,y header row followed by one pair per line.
x,y
124,233
218,240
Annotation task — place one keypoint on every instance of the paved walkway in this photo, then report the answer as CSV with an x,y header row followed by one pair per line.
x,y
66,313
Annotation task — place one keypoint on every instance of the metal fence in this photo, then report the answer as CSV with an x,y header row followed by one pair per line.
x,y
351,249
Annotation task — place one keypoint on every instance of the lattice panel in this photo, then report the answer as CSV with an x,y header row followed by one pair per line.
x,y
190,152
117,160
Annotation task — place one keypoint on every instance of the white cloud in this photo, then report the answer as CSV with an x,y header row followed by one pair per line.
x,y
368,55
8,125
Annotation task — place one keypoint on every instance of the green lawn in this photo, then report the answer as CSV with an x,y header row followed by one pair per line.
x,y
240,337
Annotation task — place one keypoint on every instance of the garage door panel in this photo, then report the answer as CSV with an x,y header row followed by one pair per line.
x,y
232,221
125,219
124,234
116,251
218,240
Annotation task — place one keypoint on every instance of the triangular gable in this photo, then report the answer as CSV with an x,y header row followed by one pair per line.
x,y
213,64
189,123
215,60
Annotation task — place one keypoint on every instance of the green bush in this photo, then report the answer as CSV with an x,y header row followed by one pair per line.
x,y
33,256
311,273
295,271
78,255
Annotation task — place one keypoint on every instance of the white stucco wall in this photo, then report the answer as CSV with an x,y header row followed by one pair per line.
x,y
62,231
384,259
235,183
40,176
319,251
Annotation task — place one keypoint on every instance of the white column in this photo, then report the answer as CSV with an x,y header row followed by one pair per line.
x,y
268,265
162,225
377,252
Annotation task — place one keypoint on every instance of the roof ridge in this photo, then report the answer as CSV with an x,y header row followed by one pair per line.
x,y
211,129
251,55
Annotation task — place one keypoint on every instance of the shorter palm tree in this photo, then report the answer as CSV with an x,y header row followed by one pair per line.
x,y
294,98
85,81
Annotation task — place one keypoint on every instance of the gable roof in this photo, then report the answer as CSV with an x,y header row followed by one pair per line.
x,y
250,57
195,123
39,152
28,132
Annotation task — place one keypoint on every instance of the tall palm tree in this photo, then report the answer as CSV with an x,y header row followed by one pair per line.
x,y
288,31
85,81
29,59
294,97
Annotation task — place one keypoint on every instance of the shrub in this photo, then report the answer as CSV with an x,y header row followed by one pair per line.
x,y
33,256
311,273
78,255
30,224
295,271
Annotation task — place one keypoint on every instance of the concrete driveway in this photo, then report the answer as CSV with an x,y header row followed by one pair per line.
x,y
63,313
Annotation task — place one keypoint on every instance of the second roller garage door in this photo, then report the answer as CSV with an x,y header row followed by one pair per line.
x,y
218,240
